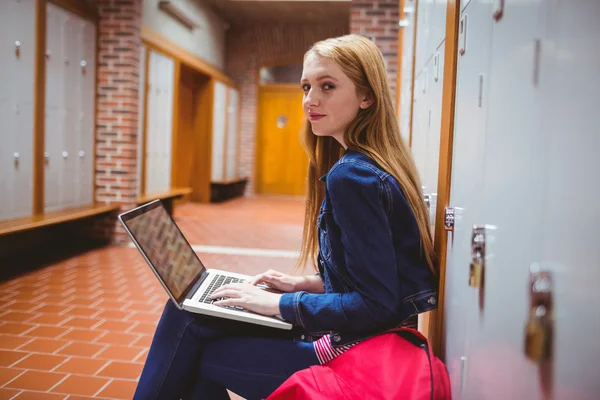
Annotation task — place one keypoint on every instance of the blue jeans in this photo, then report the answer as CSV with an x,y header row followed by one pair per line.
x,y
199,357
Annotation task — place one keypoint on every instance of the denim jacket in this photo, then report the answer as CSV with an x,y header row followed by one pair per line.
x,y
370,258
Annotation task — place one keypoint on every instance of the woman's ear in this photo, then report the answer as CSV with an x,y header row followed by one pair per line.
x,y
367,100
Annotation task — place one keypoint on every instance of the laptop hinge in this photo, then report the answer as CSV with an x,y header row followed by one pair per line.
x,y
197,286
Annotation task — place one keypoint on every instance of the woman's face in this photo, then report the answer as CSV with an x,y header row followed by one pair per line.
x,y
330,98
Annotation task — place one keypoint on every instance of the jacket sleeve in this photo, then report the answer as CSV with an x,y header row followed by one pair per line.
x,y
356,194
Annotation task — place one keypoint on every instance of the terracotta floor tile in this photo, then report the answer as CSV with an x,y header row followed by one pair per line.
x,y
11,342
119,353
79,322
82,385
145,317
144,328
81,349
17,316
119,389
8,374
34,380
142,357
50,308
110,305
50,332
122,370
115,326
15,329
82,312
39,396
84,366
8,357
44,362
19,306
53,299
143,341
124,339
50,319
6,394
113,314
44,345
82,335
84,302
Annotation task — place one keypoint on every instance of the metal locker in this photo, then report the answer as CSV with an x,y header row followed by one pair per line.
x,y
53,144
54,55
462,302
160,114
422,50
141,117
510,197
434,128
24,50
566,226
6,156
406,67
438,24
218,139
17,91
420,129
87,78
232,134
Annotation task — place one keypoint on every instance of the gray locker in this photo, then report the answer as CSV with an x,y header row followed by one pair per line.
x,y
218,138
17,52
232,134
159,123
86,72
406,70
468,162
70,110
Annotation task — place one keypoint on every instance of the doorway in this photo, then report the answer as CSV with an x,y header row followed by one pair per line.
x,y
282,163
191,139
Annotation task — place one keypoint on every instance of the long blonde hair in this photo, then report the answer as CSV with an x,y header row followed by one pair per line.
x,y
375,132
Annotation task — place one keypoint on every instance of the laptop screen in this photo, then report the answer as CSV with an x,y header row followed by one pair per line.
x,y
165,247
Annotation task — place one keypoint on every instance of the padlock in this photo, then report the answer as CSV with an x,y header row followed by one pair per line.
x,y
538,334
476,275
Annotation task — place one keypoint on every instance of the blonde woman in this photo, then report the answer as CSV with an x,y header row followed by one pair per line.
x,y
366,232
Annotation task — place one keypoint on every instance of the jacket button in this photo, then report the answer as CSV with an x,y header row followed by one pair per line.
x,y
336,338
302,337
431,301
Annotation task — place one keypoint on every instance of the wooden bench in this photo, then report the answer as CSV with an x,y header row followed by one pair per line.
x,y
167,197
54,218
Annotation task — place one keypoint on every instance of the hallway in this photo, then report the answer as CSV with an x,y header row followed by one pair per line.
x,y
81,328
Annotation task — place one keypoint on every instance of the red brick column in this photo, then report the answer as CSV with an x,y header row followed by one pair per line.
x,y
117,107
378,20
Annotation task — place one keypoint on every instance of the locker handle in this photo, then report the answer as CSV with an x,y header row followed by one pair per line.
x,y
498,9
539,328
16,155
65,154
46,157
18,48
436,62
463,35
82,153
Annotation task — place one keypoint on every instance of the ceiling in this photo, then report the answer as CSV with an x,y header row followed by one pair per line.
x,y
249,12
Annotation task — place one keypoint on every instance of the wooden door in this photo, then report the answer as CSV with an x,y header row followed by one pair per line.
x,y
281,161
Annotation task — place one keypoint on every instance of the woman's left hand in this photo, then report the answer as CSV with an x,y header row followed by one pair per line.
x,y
249,297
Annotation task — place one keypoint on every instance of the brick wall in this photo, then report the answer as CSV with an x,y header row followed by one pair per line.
x,y
117,106
378,20
248,49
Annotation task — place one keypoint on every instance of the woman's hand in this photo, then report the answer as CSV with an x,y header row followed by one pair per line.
x,y
249,297
278,281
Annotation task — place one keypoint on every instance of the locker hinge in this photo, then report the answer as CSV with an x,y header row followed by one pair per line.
x,y
449,219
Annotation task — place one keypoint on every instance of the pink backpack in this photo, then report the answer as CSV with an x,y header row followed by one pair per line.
x,y
398,364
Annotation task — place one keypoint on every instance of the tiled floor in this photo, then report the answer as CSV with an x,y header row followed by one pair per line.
x,y
81,328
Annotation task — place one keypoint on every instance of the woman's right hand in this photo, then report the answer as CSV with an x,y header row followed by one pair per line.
x,y
278,281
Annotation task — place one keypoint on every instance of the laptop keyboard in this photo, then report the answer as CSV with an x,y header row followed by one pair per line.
x,y
216,282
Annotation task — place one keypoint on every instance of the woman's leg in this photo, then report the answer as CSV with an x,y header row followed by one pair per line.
x,y
177,347
251,367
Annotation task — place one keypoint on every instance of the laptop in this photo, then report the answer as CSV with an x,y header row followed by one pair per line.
x,y
179,269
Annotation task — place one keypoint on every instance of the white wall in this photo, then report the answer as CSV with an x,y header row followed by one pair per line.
x,y
206,42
